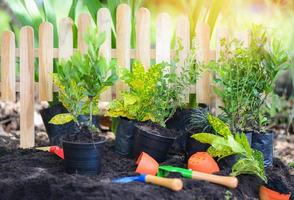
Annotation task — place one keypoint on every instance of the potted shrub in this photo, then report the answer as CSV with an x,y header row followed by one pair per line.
x,y
191,118
244,79
81,80
152,99
225,143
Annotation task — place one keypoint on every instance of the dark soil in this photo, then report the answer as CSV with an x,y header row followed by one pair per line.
x,y
84,135
32,174
156,129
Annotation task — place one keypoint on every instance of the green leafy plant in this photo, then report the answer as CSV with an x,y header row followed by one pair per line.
x,y
82,79
138,101
224,144
245,77
154,94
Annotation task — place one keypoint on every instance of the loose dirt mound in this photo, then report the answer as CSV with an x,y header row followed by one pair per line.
x,y
31,174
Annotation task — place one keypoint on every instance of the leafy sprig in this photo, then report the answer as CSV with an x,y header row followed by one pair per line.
x,y
225,144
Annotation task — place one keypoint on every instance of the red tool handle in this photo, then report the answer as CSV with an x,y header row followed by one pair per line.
x,y
57,150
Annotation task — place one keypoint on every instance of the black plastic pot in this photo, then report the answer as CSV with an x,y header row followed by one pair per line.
x,y
264,142
229,161
56,131
124,137
83,158
148,141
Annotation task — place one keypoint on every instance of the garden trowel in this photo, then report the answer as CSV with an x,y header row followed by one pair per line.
x,y
228,181
53,149
174,184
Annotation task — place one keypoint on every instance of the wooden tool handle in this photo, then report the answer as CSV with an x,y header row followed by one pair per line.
x,y
174,184
229,181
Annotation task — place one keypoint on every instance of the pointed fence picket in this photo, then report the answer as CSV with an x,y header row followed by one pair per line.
x,y
123,53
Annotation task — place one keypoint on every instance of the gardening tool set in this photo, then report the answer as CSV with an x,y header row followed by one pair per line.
x,y
154,174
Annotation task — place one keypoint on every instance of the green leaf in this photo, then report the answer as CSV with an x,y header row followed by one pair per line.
x,y
93,6
207,138
72,10
50,16
219,126
61,119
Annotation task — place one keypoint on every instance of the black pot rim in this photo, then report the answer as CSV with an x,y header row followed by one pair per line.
x,y
103,140
160,136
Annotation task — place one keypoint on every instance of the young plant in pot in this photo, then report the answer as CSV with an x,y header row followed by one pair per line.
x,y
191,118
152,99
225,143
244,78
270,60
81,80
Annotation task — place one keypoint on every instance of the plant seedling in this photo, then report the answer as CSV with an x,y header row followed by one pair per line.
x,y
225,144
82,79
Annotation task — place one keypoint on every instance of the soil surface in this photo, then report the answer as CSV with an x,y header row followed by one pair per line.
x,y
32,174
84,136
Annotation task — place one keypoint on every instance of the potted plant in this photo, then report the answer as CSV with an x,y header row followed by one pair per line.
x,y
225,143
152,99
191,118
244,79
81,80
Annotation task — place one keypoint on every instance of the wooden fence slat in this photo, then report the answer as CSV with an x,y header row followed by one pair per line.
x,y
84,22
46,62
8,66
163,37
143,36
123,40
65,38
104,25
27,92
183,36
222,34
203,85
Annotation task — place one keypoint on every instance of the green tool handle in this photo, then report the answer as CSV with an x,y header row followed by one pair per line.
x,y
229,181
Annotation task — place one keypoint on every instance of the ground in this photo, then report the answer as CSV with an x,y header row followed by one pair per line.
x,y
32,174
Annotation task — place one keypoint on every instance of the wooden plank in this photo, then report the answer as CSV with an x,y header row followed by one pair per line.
x,y
203,86
65,38
113,53
46,39
27,92
183,36
8,66
143,36
163,37
123,39
84,22
222,34
104,25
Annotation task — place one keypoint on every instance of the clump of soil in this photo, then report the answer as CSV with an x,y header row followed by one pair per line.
x,y
156,129
32,174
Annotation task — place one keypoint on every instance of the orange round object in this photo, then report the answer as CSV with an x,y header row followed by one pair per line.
x,y
147,164
268,194
203,162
